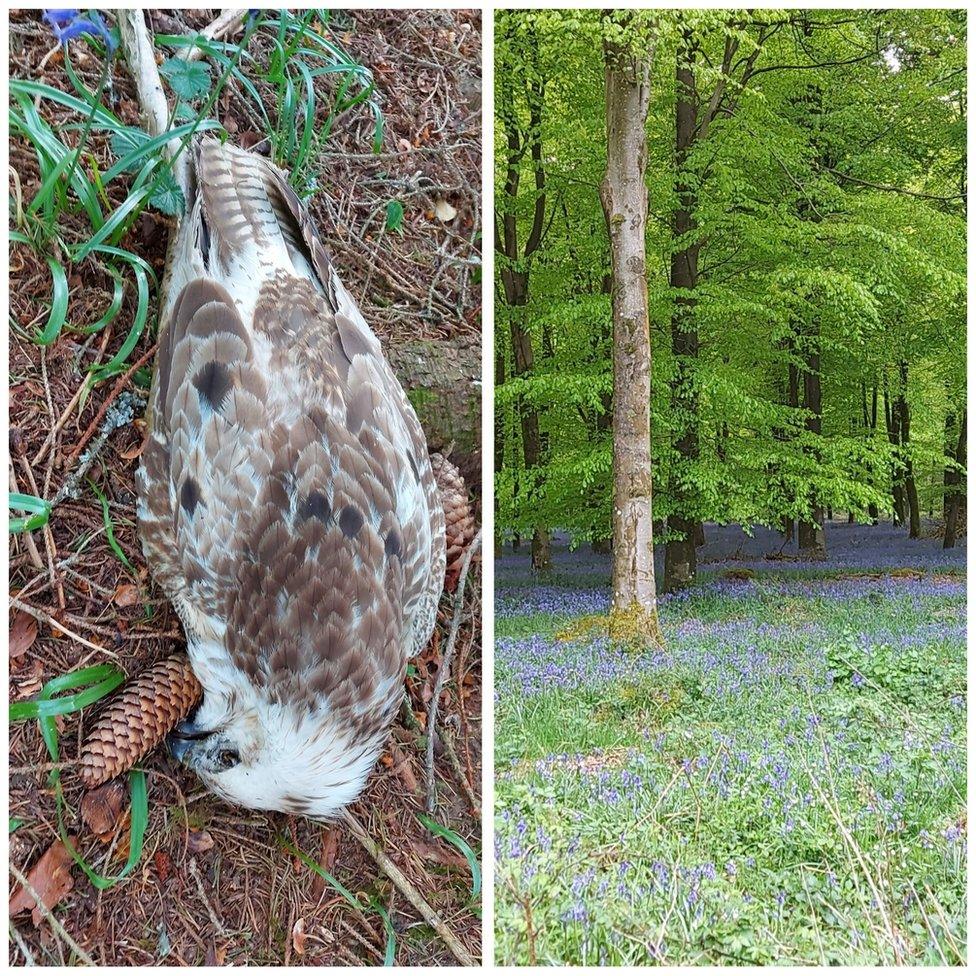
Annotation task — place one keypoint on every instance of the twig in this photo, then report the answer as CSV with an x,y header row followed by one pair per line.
x,y
448,741
52,920
28,538
62,420
214,918
19,939
445,667
46,618
225,24
109,400
408,890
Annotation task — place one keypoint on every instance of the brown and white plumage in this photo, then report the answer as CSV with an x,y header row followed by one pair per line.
x,y
286,500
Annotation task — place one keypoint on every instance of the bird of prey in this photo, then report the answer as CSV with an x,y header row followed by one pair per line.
x,y
287,504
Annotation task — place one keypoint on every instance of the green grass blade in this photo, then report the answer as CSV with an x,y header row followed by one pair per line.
x,y
117,363
110,529
353,901
39,508
96,682
461,844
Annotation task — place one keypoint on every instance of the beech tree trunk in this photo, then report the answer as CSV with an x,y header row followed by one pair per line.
x,y
792,401
911,492
680,556
623,194
950,477
514,274
811,537
892,424
959,493
872,506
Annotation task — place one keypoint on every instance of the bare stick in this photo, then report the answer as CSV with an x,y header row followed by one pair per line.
x,y
46,618
225,24
408,890
46,912
110,399
445,667
140,56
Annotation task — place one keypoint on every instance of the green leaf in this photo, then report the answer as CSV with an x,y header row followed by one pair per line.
x,y
394,216
167,196
14,824
188,79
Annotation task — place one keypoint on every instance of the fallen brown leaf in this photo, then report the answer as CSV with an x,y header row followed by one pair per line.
x,y
126,595
23,633
199,841
102,809
50,878
327,857
163,863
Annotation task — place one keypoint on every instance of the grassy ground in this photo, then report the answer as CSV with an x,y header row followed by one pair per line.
x,y
784,783
215,884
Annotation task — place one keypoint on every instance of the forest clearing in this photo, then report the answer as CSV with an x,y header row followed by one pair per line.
x,y
731,291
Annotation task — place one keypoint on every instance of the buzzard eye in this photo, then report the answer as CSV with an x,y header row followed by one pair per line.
x,y
228,758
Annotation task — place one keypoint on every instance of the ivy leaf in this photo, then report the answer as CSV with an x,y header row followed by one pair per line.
x,y
188,79
167,196
394,216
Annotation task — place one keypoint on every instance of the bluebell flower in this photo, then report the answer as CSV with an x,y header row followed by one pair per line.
x,y
68,25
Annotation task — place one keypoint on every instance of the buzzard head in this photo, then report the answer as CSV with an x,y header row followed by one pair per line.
x,y
268,757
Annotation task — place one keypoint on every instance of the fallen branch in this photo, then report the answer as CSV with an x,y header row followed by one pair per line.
x,y
445,667
140,55
225,24
46,618
408,890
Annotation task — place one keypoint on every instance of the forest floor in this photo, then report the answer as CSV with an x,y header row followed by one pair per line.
x,y
215,884
784,782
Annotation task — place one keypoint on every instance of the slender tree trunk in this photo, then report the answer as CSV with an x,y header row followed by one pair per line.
x,y
811,537
959,493
950,477
892,423
793,401
911,492
680,556
872,506
623,194
515,278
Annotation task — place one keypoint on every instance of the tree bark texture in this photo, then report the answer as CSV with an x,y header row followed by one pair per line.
x,y
892,424
680,556
811,536
623,194
443,382
958,500
514,275
911,491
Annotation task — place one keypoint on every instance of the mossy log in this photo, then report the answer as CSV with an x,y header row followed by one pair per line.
x,y
442,378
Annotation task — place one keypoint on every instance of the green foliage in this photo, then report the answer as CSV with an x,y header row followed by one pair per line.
x,y
96,682
394,216
189,80
829,220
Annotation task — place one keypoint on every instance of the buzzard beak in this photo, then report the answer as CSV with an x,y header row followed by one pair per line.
x,y
182,739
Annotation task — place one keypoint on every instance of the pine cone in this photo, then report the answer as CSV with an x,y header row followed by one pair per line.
x,y
457,515
139,718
